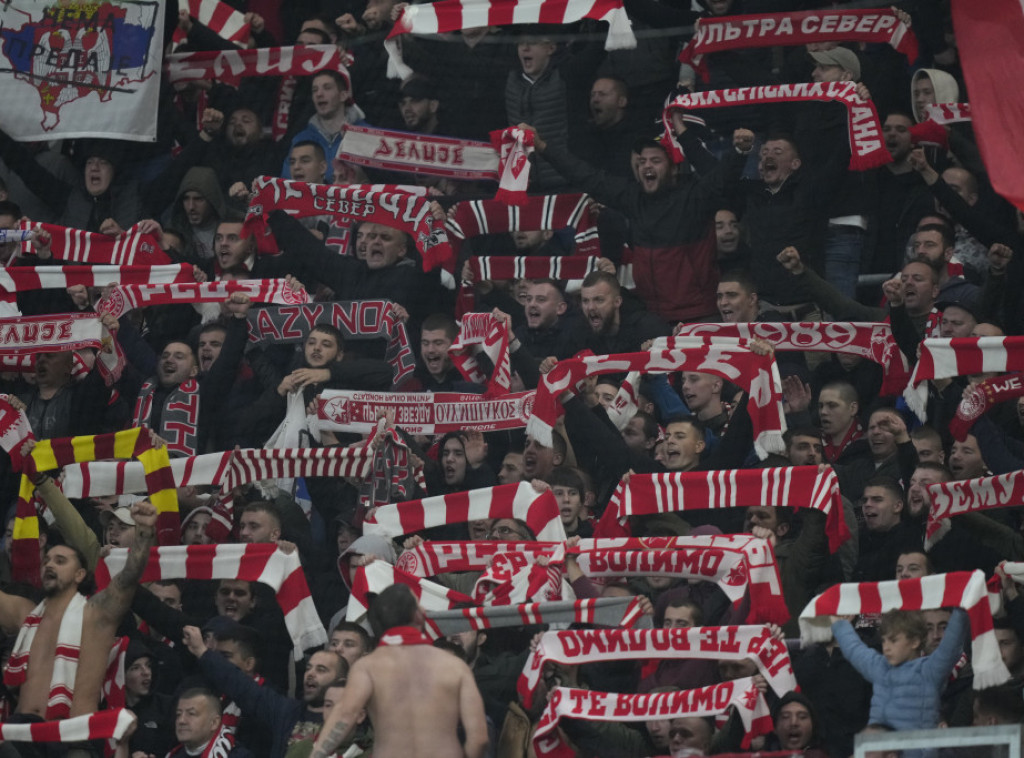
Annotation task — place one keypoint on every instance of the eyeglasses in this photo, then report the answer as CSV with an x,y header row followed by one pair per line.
x,y
506,531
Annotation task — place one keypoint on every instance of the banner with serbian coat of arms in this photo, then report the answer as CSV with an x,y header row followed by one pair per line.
x,y
80,69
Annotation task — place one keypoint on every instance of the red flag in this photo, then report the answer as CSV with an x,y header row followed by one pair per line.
x,y
988,37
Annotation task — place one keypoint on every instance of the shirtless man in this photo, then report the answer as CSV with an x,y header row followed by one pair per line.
x,y
63,571
416,694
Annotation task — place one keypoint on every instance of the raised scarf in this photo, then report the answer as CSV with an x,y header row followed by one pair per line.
x,y
589,705
867,148
218,17
404,635
229,66
979,398
127,297
471,218
48,455
378,575
455,15
605,611
129,248
485,333
785,487
110,724
356,319
506,268
873,341
757,374
179,421
970,496
65,656
62,332
260,562
395,472
948,113
25,278
419,153
433,558
514,147
347,205
521,501
510,580
964,589
947,357
730,643
878,25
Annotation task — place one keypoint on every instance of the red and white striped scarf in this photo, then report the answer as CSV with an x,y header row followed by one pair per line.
x,y
230,66
454,15
757,374
419,153
471,218
514,147
221,745
483,332
65,655
264,563
111,724
356,319
791,29
25,278
218,17
969,496
128,297
520,501
15,431
423,412
785,487
944,358
48,334
403,635
589,705
394,471
867,148
129,248
378,575
730,643
347,205
606,611
766,599
873,341
979,398
948,113
433,558
965,589
505,268
511,580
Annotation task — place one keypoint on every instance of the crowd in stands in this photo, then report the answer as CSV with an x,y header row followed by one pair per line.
x,y
762,222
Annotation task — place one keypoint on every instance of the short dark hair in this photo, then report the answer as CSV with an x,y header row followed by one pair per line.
x,y
318,149
650,424
566,476
249,641
685,602
647,143
947,234
351,626
801,431
1004,702
845,389
947,475
338,77
332,331
203,692
783,137
437,321
693,421
264,506
394,606
889,484
9,208
597,277
742,277
554,283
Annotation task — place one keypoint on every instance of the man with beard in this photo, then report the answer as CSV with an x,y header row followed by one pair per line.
x,y
198,208
289,719
173,401
419,106
671,217
47,692
608,330
56,405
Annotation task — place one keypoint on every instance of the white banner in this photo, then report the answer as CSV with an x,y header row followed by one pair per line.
x,y
80,69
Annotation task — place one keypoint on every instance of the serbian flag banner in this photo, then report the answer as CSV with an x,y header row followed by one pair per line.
x,y
988,39
81,69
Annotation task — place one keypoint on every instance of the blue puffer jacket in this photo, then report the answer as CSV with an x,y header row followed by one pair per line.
x,y
905,696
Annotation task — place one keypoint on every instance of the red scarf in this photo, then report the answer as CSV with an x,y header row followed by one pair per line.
x,y
125,298
218,17
514,147
979,398
489,335
867,148
126,249
404,635
948,113
419,153
757,374
348,205
229,66
111,724
970,496
832,450
792,29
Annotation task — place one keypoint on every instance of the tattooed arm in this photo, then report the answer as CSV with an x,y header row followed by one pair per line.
x,y
114,601
339,723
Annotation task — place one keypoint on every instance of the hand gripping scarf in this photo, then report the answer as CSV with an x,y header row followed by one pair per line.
x,y
873,341
418,153
790,29
379,575
454,15
960,356
564,702
409,213
970,496
964,589
978,399
111,724
124,298
787,487
731,643
128,248
52,454
489,335
506,501
261,562
514,147
605,611
867,148
229,66
757,374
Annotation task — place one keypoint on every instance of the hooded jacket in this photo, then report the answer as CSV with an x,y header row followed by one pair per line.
x,y
200,239
945,87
